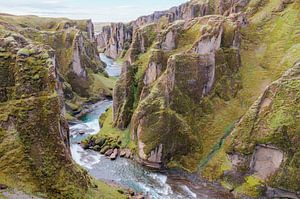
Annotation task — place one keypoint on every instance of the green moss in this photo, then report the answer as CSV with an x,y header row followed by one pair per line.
x,y
104,191
102,118
24,52
102,84
187,38
251,187
109,131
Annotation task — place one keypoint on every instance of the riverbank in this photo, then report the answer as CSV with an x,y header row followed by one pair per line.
x,y
128,173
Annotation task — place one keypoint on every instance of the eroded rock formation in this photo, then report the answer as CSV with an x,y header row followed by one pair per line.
x,y
34,139
170,87
271,121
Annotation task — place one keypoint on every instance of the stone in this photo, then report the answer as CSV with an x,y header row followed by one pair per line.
x,y
140,196
104,149
3,186
24,52
130,192
114,154
156,155
280,193
122,153
109,152
266,160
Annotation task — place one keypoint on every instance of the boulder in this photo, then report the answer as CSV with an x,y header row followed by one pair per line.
x,y
122,153
266,160
104,149
3,186
128,153
109,152
114,155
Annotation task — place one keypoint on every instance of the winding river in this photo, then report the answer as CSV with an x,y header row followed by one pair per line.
x,y
126,172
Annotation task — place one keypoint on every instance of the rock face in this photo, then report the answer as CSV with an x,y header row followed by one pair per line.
x,y
74,58
225,7
123,97
142,39
76,54
156,66
266,161
273,123
185,11
171,89
34,139
116,38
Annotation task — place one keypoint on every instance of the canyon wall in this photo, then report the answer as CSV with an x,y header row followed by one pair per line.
x,y
187,89
79,67
44,63
34,142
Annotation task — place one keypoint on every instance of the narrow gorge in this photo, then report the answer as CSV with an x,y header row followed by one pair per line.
x,y
198,101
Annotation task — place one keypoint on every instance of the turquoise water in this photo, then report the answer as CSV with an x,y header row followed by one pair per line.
x,y
113,68
127,172
121,171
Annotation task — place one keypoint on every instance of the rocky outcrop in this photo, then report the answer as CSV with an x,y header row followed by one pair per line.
x,y
156,66
34,139
79,67
103,37
266,160
124,97
268,133
168,38
115,39
225,7
74,54
142,39
168,91
261,154
186,11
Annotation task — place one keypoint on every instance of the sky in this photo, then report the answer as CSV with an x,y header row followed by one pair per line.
x,y
97,10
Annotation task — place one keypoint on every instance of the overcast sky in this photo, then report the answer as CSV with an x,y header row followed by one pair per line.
x,y
97,10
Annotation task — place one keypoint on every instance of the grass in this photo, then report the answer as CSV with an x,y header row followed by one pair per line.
x,y
108,130
104,191
102,83
250,187
43,23
187,38
267,51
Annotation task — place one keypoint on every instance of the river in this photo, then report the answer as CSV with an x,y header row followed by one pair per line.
x,y
126,172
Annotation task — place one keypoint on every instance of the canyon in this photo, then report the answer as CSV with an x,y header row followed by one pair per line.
x,y
207,94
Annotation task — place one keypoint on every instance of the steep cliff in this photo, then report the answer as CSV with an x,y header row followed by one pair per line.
x,y
113,47
78,62
32,123
174,73
253,158
115,39
191,80
172,100
261,154
34,134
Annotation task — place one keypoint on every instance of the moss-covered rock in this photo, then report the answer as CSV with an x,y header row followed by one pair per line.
x,y
35,152
263,145
273,120
34,143
124,97
78,62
